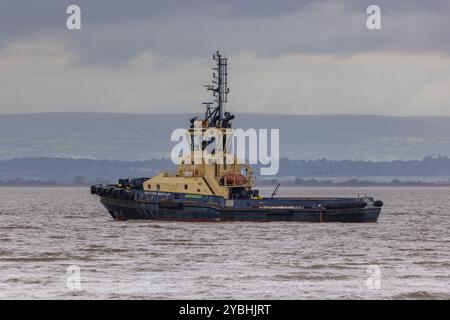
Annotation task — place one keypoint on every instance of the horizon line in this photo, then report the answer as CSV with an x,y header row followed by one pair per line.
x,y
435,157
243,113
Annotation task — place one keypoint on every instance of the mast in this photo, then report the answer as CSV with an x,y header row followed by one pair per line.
x,y
216,116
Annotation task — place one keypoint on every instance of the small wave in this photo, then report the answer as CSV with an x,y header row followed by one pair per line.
x,y
32,259
57,237
310,277
4,252
20,227
150,225
433,263
73,294
422,295
103,249
333,266
45,257
399,213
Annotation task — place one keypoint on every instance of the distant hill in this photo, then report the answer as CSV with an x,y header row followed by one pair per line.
x,y
140,137
61,170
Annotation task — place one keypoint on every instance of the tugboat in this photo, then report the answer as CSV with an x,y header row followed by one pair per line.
x,y
220,191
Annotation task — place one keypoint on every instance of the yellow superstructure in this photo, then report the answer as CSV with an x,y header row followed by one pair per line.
x,y
229,179
220,179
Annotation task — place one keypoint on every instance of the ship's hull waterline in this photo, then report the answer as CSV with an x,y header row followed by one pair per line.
x,y
136,205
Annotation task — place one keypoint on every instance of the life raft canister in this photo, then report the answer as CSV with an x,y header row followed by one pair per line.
x,y
235,179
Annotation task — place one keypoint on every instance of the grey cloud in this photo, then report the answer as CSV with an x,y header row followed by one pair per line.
x,y
114,31
297,56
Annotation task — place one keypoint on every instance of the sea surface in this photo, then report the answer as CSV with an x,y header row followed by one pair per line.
x,y
59,243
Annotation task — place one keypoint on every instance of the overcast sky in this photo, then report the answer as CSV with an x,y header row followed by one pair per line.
x,y
298,57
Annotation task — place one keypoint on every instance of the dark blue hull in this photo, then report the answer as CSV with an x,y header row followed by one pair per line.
x,y
138,205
